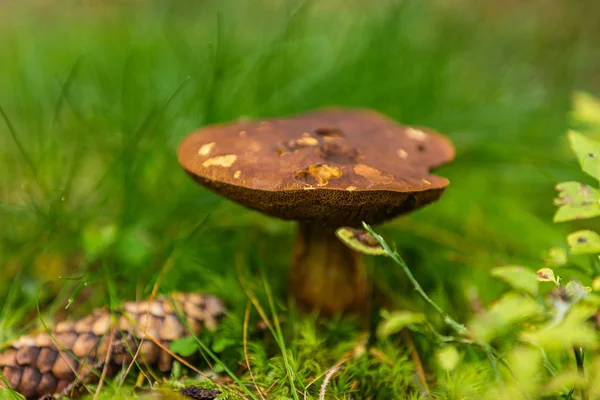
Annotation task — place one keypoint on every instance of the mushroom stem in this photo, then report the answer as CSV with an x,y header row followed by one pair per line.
x,y
327,275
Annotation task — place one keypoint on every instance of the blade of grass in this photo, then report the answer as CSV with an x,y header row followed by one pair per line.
x,y
66,86
146,125
208,351
14,394
280,339
12,292
245,344
217,72
266,56
275,330
21,148
62,348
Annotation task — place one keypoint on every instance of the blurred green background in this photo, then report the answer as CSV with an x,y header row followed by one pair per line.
x,y
96,96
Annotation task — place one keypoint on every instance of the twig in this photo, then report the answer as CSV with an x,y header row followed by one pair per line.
x,y
356,352
332,371
416,359
80,379
106,362
337,365
134,358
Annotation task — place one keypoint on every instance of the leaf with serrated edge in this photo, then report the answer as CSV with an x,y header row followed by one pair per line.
x,y
573,330
576,201
564,381
584,242
395,321
576,291
588,152
518,277
586,109
510,309
556,257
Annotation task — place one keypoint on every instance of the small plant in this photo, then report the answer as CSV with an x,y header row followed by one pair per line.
x,y
540,340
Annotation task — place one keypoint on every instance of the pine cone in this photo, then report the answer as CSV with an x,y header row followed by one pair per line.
x,y
45,364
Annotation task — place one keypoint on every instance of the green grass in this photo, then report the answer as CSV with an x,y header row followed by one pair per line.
x,y
96,98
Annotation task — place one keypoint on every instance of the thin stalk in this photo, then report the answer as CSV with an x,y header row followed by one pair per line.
x,y
492,355
579,357
458,328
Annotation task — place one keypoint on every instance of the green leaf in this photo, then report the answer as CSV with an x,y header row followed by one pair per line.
x,y
584,242
518,277
526,363
510,309
395,321
594,376
586,109
576,291
573,330
220,344
576,201
588,152
565,381
360,241
556,257
10,394
185,347
591,298
546,275
448,358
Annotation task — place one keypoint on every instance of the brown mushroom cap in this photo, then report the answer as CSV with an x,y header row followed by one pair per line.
x,y
335,165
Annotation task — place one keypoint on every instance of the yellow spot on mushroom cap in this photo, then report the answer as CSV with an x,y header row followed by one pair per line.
x,y
402,154
220,161
416,134
324,173
319,174
426,181
351,188
205,149
373,174
307,141
237,174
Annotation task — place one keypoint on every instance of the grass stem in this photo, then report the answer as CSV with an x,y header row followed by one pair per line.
x,y
458,328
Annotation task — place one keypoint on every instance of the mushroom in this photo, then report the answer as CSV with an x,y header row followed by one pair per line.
x,y
325,169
